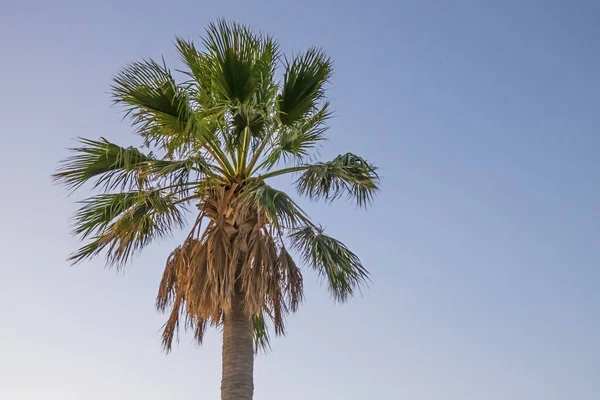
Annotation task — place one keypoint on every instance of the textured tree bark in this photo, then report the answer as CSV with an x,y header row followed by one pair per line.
x,y
238,353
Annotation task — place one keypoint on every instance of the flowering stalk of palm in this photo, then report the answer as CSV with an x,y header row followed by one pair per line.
x,y
214,141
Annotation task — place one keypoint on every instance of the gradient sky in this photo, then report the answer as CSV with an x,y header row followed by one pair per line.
x,y
484,244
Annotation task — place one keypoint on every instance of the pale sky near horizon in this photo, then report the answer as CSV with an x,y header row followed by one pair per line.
x,y
484,243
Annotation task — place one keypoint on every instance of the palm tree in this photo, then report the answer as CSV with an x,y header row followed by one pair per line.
x,y
216,139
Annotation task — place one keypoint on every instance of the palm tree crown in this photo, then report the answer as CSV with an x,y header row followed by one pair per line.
x,y
214,140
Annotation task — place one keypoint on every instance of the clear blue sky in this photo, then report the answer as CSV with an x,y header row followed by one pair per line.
x,y
484,244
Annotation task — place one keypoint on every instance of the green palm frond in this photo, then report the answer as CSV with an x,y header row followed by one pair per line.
x,y
303,85
347,174
111,165
331,259
274,205
234,50
241,67
199,70
159,108
182,174
262,340
257,115
264,74
124,223
294,143
195,61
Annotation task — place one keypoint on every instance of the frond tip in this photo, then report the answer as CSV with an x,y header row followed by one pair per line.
x,y
331,259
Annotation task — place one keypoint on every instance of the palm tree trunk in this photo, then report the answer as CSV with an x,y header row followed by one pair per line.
x,y
238,353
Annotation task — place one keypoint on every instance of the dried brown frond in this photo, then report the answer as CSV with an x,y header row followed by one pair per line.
x,y
238,252
171,327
